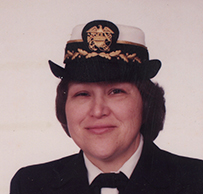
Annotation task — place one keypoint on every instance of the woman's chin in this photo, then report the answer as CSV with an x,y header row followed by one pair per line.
x,y
101,155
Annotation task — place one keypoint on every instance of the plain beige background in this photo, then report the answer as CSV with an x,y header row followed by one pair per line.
x,y
34,31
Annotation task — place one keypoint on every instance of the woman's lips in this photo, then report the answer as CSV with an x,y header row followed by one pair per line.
x,y
100,129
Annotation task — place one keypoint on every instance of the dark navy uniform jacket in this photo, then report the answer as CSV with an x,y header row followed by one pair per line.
x,y
157,172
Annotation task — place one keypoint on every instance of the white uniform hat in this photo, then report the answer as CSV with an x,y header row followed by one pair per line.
x,y
102,51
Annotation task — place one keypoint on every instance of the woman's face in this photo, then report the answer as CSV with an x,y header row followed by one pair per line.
x,y
104,119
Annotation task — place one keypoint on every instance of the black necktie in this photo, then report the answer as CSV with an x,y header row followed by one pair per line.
x,y
109,180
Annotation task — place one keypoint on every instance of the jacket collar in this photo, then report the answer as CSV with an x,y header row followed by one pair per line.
x,y
152,172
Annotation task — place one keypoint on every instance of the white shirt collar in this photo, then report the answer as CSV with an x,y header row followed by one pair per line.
x,y
127,167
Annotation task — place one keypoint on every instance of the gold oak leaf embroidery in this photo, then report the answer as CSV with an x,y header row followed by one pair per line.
x,y
117,53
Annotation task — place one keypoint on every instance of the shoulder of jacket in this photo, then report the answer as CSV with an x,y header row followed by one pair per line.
x,y
182,163
48,166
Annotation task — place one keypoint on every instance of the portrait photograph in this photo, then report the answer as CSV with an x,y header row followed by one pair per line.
x,y
101,97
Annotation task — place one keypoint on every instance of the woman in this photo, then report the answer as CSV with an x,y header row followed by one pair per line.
x,y
107,104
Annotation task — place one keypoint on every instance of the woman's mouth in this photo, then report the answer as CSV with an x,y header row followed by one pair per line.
x,y
100,129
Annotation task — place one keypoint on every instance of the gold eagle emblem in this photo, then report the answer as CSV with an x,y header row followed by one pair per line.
x,y
99,38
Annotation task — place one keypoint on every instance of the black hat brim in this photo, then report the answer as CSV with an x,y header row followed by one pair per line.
x,y
57,70
86,73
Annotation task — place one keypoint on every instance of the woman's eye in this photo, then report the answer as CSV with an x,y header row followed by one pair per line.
x,y
81,94
117,91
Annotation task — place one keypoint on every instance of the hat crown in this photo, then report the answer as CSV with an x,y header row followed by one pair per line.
x,y
131,34
126,33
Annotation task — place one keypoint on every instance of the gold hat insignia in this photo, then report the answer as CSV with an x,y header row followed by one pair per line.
x,y
99,38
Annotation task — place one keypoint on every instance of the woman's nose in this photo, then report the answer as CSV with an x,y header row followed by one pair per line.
x,y
99,107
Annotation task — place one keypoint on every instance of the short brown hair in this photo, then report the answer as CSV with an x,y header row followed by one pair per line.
x,y
153,107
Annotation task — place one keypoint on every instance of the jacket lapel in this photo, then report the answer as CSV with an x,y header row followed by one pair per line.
x,y
71,176
150,175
